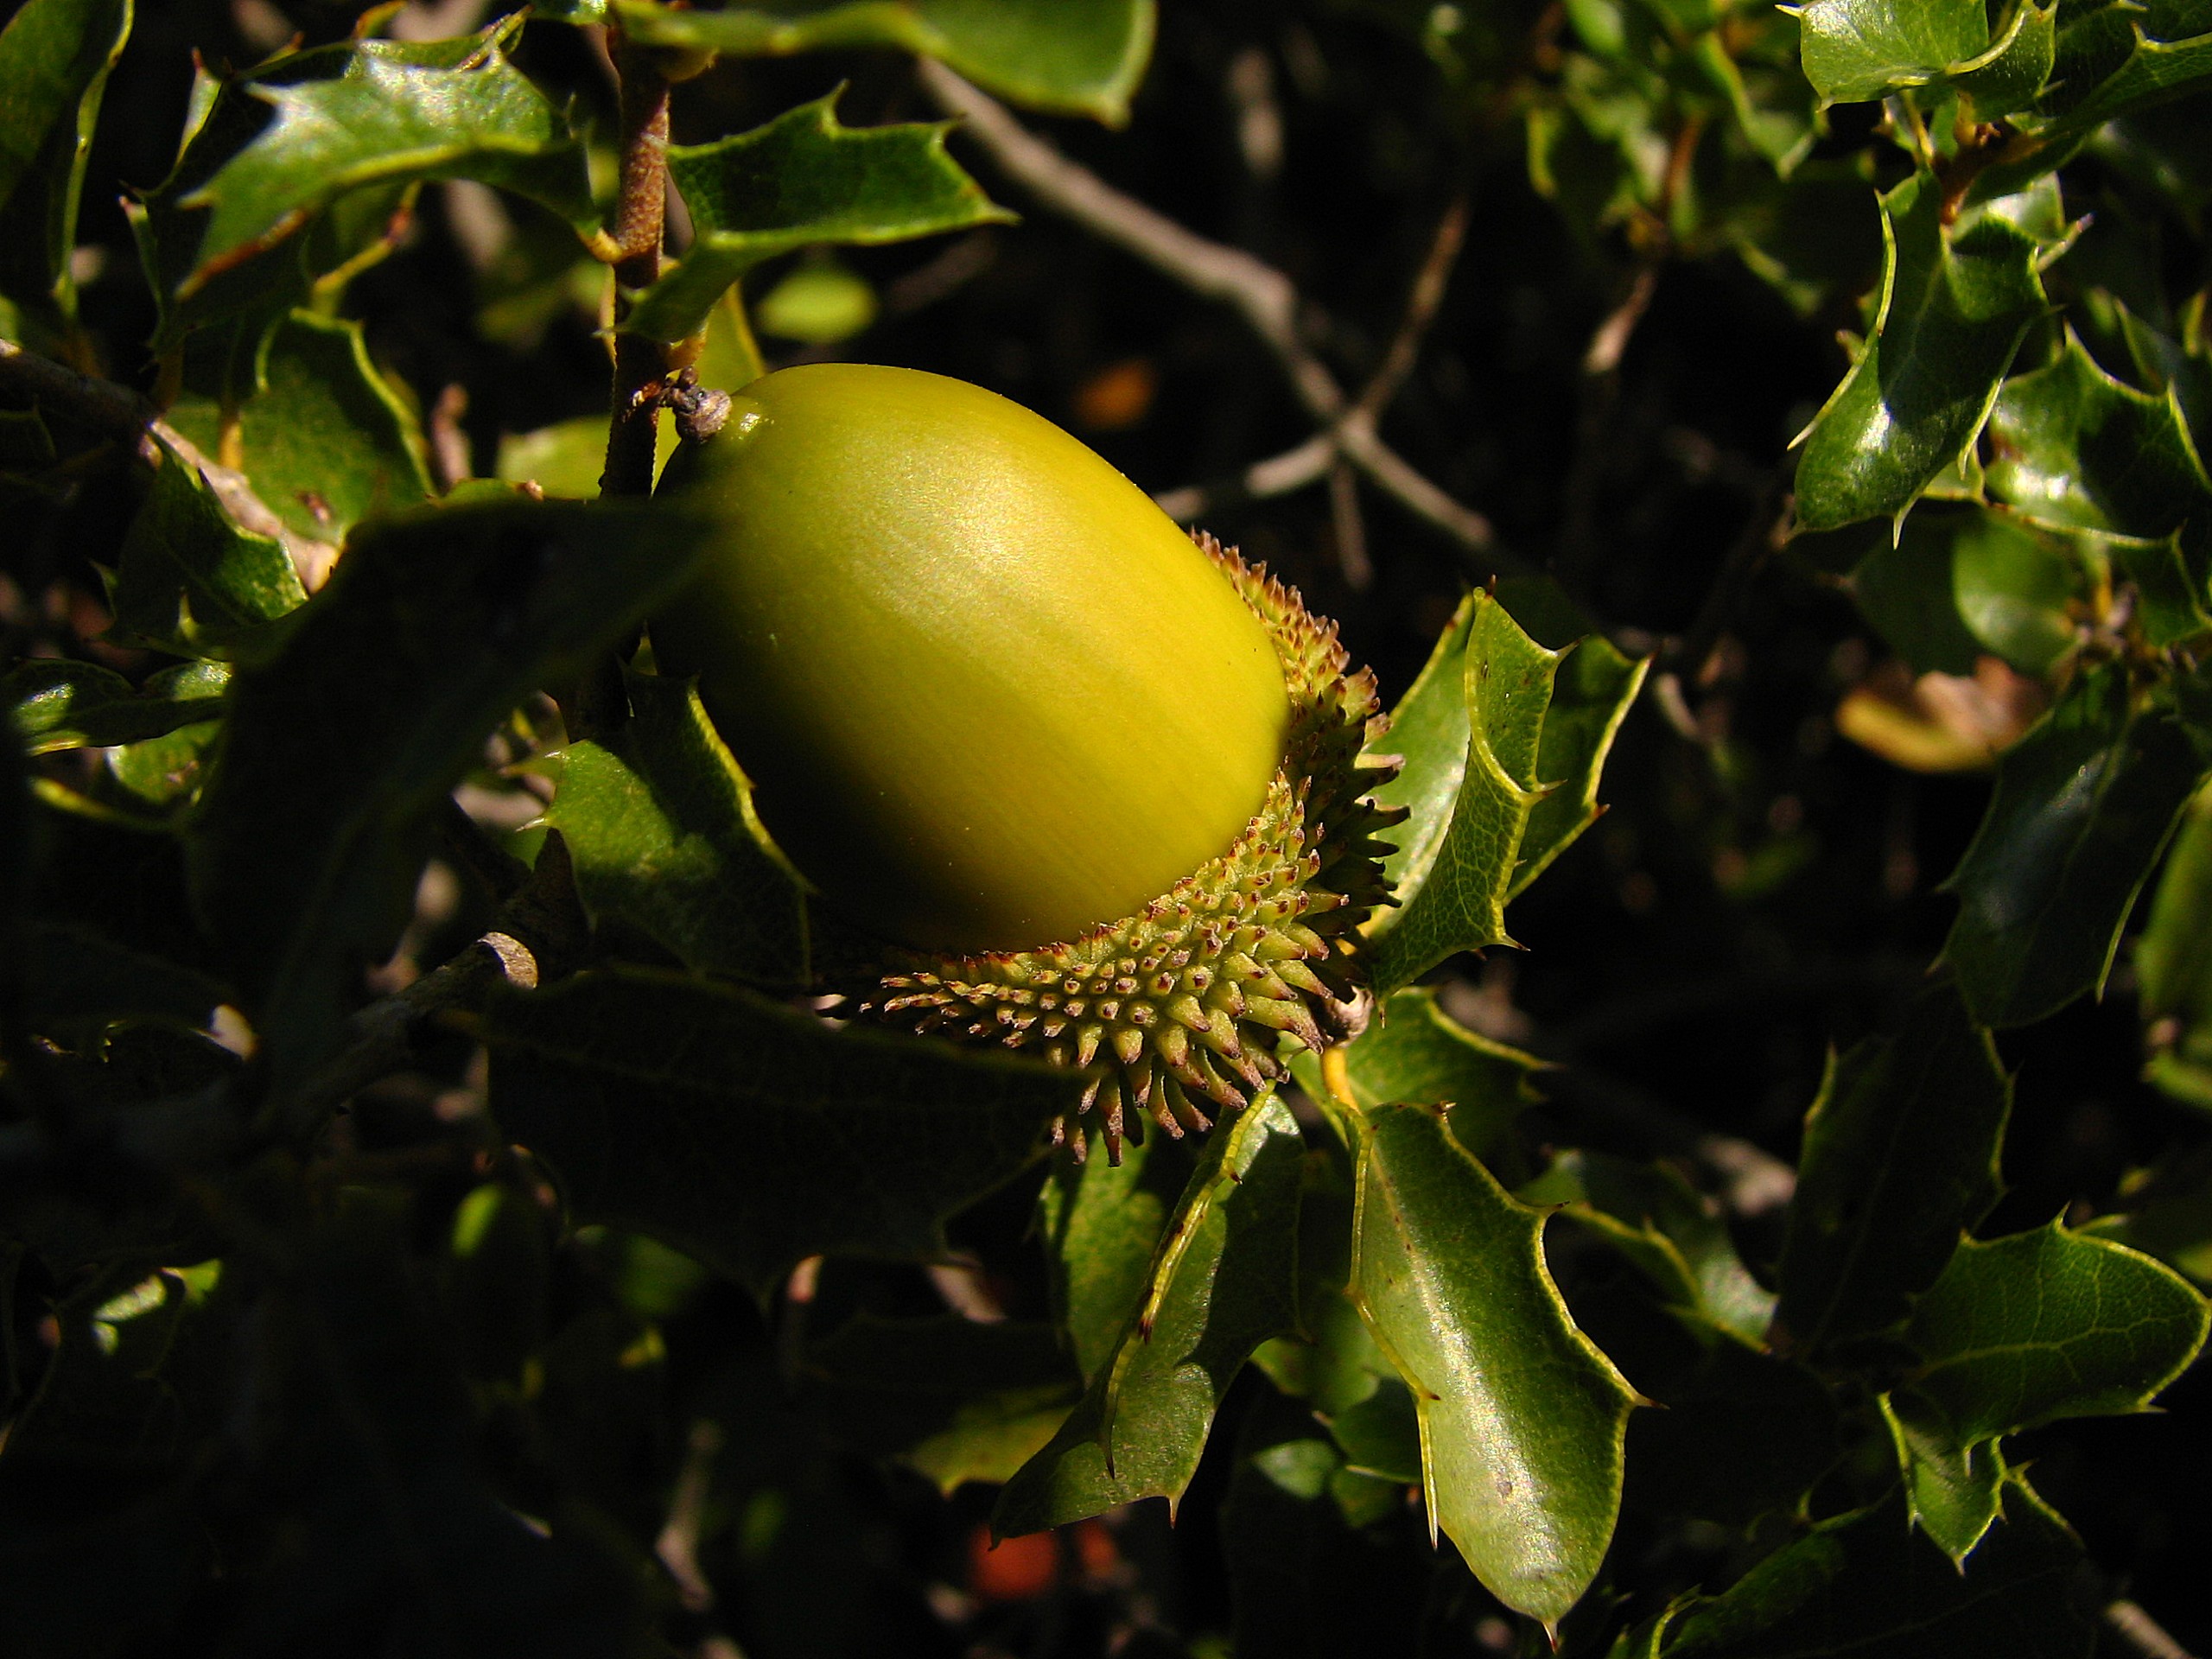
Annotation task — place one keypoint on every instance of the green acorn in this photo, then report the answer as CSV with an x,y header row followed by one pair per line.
x,y
1086,788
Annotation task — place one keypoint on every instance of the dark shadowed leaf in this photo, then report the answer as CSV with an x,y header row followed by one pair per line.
x,y
1955,300
1223,1280
802,180
2173,962
320,433
748,1135
58,704
1083,56
1866,1584
955,1400
2083,803
1305,1582
192,582
339,748
1100,1224
1671,1231
2030,1328
1900,1159
2076,449
2114,60
55,59
282,143
1522,1418
660,827
1456,900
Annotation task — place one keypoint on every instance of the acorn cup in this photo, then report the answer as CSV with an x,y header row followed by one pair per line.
x,y
1080,784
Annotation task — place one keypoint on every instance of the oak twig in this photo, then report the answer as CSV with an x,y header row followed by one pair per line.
x,y
120,415
1265,298
640,215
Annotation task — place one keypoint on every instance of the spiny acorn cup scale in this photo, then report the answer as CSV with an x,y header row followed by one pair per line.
x,y
1093,786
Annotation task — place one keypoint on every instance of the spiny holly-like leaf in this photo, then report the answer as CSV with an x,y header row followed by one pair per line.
x,y
749,1135
1454,898
1863,1584
2022,1331
57,704
190,580
1672,1232
803,179
2173,961
2077,449
1856,51
1223,1280
1955,300
55,59
1592,691
2083,803
1081,56
1900,1159
1415,1051
660,828
282,143
954,1399
1953,1491
2008,77
1100,1224
1521,1417
339,748
2117,59
2039,1325
322,437
1428,733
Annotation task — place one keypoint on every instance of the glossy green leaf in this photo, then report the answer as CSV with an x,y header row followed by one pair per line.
x,y
2007,77
660,828
1900,1158
1453,891
802,180
190,580
58,704
282,143
1955,300
341,746
2083,803
2077,449
1415,1051
1957,583
1222,1281
54,59
952,1399
2173,962
1856,51
748,1135
1672,1232
1521,1417
1592,691
1081,56
323,438
1864,1583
